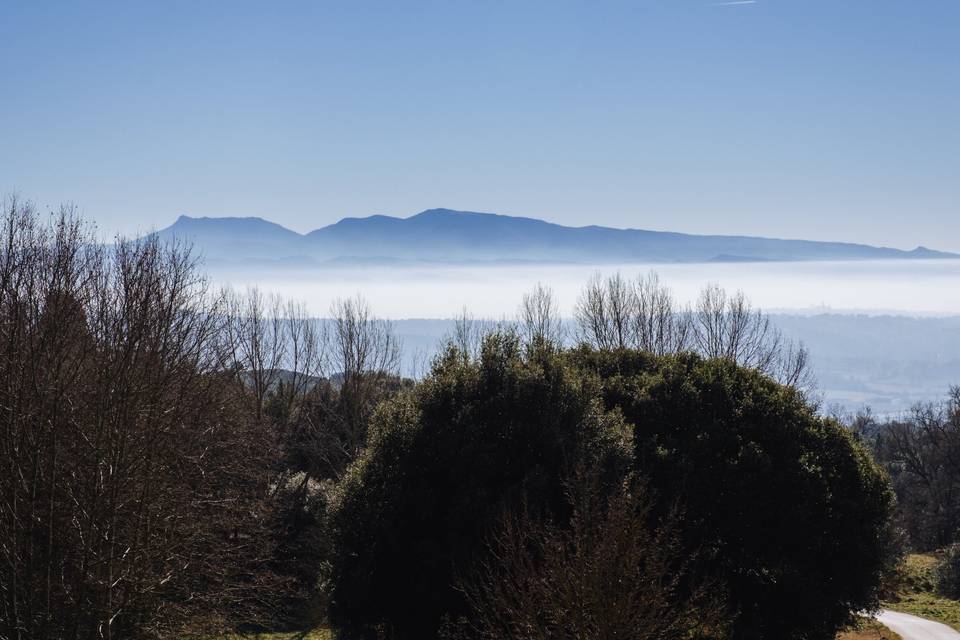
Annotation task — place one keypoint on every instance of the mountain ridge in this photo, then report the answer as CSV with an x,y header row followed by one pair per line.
x,y
446,235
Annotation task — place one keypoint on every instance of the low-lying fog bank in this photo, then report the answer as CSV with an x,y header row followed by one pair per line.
x,y
884,334
926,287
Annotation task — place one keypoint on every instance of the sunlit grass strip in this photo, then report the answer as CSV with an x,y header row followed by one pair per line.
x,y
930,606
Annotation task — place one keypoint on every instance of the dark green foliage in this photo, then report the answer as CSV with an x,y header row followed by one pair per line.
x,y
610,573
327,427
322,429
948,573
792,513
781,507
442,464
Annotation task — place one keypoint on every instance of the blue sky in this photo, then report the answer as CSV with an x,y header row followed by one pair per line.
x,y
791,118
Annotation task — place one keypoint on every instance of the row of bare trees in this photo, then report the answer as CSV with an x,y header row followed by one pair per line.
x,y
612,313
149,430
619,313
132,491
316,378
276,341
616,312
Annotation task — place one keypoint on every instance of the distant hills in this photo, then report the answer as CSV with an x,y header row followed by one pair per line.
x,y
446,236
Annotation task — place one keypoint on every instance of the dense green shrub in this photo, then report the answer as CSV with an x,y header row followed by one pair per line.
x,y
442,464
610,573
781,507
791,510
948,573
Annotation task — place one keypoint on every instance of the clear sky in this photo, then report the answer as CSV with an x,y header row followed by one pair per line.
x,y
794,118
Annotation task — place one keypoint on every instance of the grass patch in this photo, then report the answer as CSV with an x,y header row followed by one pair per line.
x,y
917,574
930,606
916,592
869,629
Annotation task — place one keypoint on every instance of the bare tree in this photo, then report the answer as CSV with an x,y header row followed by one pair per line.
x,y
256,342
363,356
539,318
275,347
467,335
728,326
306,352
604,311
590,314
620,303
659,325
360,342
792,367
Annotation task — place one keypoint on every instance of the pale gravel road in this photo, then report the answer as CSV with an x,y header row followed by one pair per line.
x,y
914,628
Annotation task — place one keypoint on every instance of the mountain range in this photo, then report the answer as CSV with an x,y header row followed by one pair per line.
x,y
447,236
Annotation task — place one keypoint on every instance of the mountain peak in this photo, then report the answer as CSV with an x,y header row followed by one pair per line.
x,y
448,213
186,219
436,212
924,252
228,226
478,220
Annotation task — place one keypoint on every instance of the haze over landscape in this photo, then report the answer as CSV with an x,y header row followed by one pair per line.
x,y
842,300
480,320
707,141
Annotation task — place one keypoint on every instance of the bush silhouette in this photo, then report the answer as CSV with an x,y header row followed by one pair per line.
x,y
777,504
791,511
948,572
441,465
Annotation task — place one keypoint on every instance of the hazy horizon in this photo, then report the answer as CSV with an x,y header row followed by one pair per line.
x,y
881,334
816,120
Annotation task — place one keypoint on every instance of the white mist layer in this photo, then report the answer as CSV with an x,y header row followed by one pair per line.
x,y
920,287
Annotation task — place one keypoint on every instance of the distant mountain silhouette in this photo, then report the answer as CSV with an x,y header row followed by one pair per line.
x,y
443,235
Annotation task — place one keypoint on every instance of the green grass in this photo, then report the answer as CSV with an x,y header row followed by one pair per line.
x,y
930,606
916,592
917,574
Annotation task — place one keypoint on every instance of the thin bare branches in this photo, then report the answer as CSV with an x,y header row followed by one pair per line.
x,y
539,318
133,491
613,313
